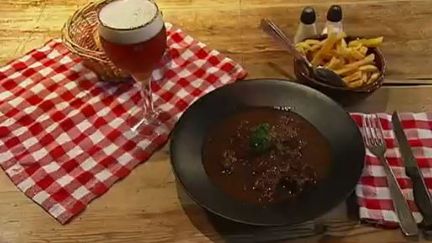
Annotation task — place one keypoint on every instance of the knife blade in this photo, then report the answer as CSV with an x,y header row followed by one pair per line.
x,y
422,196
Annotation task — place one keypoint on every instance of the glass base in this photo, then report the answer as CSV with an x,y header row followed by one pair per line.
x,y
148,124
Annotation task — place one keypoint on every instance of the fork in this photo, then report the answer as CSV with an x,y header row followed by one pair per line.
x,y
374,140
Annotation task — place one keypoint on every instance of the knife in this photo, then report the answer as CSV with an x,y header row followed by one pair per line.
x,y
422,196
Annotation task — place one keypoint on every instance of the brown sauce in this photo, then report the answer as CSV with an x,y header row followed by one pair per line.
x,y
265,155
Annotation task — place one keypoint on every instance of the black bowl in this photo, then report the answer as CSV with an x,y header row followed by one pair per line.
x,y
343,95
329,118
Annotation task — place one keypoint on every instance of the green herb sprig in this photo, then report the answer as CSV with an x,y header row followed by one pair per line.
x,y
260,139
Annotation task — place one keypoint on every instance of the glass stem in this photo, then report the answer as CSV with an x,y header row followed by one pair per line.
x,y
144,97
149,93
149,111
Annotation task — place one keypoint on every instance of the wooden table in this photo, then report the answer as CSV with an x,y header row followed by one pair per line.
x,y
145,207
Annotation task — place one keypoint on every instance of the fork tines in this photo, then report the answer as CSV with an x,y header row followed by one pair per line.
x,y
372,130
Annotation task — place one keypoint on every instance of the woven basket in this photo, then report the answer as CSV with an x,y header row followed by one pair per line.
x,y
80,36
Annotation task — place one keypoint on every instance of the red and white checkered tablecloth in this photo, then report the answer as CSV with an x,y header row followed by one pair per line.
x,y
64,139
372,190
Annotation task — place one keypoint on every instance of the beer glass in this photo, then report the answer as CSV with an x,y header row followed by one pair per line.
x,y
133,36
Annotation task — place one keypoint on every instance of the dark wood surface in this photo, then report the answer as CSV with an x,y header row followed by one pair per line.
x,y
146,206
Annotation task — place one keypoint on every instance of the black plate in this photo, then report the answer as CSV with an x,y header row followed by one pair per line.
x,y
328,117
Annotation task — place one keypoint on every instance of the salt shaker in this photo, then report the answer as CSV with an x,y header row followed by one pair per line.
x,y
334,19
306,27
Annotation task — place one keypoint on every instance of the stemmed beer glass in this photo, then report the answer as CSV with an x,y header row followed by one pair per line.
x,y
133,36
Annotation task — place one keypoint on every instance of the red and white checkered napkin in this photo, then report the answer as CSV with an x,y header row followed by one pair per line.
x,y
372,191
53,111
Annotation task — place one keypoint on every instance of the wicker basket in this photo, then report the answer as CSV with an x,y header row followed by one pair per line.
x,y
80,35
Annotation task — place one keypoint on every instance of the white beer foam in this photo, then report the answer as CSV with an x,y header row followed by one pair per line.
x,y
130,21
127,14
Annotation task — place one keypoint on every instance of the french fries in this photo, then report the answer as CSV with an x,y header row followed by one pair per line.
x,y
375,42
327,46
349,60
355,65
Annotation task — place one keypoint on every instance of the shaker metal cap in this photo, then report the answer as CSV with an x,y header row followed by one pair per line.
x,y
334,14
308,15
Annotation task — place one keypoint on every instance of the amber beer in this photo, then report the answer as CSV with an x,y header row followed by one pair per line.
x,y
133,35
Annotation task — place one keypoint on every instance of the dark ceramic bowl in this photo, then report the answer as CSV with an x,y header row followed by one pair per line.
x,y
303,75
333,122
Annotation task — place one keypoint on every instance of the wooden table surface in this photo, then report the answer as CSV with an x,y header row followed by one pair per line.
x,y
148,206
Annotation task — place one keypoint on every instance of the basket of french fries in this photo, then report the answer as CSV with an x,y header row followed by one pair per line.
x,y
358,61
